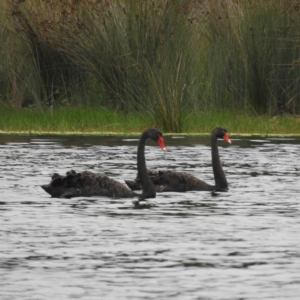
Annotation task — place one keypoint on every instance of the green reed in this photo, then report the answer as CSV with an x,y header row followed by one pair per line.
x,y
156,58
254,55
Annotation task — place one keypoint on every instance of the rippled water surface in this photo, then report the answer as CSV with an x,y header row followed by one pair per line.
x,y
244,244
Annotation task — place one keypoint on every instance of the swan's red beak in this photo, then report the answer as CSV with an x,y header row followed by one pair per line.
x,y
161,143
226,138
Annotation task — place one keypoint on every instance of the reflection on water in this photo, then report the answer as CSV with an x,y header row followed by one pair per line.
x,y
243,244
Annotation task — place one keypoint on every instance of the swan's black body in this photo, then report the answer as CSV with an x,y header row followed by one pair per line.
x,y
96,184
166,181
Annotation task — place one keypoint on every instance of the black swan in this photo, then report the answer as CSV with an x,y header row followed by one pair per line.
x,y
91,184
167,181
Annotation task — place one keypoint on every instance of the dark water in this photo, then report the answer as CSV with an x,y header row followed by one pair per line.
x,y
244,244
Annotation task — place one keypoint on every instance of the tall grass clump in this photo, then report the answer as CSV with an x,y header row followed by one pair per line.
x,y
138,50
38,74
13,61
253,55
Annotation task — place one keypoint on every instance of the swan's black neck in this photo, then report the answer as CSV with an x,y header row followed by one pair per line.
x,y
147,185
220,178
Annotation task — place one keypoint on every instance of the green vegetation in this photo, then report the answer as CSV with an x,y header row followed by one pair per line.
x,y
180,63
84,120
79,119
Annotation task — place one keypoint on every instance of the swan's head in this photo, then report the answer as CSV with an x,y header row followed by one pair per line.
x,y
157,136
221,133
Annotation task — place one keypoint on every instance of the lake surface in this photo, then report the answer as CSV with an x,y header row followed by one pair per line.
x,y
243,244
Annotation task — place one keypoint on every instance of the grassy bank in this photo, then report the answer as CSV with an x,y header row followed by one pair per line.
x,y
78,119
84,120
163,57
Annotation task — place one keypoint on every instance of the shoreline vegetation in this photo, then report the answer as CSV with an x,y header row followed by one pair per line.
x,y
99,121
121,66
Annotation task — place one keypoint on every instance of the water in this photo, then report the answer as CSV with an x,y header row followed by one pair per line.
x,y
243,244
